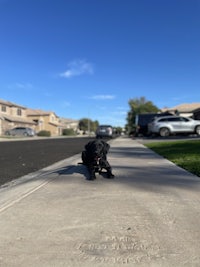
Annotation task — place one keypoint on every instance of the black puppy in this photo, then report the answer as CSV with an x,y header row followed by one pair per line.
x,y
95,158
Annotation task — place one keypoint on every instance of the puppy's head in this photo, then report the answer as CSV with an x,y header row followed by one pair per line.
x,y
95,149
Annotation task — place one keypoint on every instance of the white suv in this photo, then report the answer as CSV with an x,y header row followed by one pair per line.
x,y
164,126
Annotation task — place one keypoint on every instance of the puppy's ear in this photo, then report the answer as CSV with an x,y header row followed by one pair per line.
x,y
106,147
87,145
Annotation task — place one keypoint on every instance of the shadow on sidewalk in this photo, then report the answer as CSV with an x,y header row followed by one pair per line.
x,y
80,169
149,178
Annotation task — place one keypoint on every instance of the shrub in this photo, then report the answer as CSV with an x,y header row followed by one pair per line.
x,y
44,133
68,132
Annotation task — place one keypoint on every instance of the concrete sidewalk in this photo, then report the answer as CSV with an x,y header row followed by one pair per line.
x,y
149,215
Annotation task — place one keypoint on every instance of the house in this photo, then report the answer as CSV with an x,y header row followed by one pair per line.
x,y
191,110
13,115
45,120
69,124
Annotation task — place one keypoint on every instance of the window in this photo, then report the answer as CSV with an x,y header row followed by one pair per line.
x,y
19,112
184,119
3,108
161,120
174,119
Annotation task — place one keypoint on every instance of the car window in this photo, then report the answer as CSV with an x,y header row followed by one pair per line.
x,y
184,119
174,119
163,119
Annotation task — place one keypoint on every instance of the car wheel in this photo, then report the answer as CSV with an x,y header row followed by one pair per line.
x,y
164,132
25,134
197,130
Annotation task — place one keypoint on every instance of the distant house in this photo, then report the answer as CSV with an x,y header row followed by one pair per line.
x,y
13,115
191,110
45,120
69,124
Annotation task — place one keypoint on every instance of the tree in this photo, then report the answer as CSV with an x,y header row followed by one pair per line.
x,y
139,106
118,130
87,124
94,125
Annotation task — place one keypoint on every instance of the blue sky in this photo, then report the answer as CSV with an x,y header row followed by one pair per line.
x,y
88,58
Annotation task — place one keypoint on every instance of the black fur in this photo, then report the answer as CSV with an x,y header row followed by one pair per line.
x,y
95,158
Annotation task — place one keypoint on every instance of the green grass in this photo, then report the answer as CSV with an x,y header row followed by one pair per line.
x,y
185,154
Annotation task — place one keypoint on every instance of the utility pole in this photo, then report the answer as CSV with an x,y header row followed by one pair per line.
x,y
88,126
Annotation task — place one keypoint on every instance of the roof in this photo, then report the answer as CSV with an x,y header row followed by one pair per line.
x,y
186,107
39,112
10,104
17,119
67,120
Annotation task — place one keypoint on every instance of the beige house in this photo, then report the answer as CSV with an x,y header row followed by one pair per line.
x,y
45,120
13,115
69,124
191,110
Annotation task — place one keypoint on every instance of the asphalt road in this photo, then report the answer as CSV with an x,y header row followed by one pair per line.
x,y
18,158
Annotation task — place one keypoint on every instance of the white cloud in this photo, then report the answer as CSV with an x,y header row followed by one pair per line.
x,y
102,97
120,113
78,67
19,85
48,94
66,104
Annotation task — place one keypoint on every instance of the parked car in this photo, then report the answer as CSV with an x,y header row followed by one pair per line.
x,y
20,131
142,120
104,131
167,125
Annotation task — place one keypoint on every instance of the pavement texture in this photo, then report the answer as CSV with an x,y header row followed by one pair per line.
x,y
149,215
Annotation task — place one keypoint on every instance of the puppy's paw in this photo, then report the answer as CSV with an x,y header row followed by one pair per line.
x,y
91,178
110,175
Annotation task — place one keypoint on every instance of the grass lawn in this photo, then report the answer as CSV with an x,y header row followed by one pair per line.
x,y
185,154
